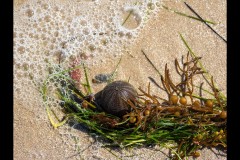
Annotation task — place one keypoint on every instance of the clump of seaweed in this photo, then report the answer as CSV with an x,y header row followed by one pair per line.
x,y
186,120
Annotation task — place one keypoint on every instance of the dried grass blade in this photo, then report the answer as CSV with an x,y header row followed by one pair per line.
x,y
183,14
152,80
205,22
151,63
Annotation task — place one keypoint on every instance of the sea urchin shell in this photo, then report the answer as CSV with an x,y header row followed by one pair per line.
x,y
113,98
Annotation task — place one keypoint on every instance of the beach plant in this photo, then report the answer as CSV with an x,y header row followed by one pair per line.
x,y
184,119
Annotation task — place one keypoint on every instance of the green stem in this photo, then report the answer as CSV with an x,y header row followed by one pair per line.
x,y
87,81
183,14
115,70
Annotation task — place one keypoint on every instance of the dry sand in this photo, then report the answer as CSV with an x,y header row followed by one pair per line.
x,y
36,139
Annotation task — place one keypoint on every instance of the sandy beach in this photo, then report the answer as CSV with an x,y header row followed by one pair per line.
x,y
159,38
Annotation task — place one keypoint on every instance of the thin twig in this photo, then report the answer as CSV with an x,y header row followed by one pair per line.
x,y
205,22
151,63
127,17
154,82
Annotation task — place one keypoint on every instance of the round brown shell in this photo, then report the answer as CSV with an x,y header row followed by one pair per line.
x,y
113,98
